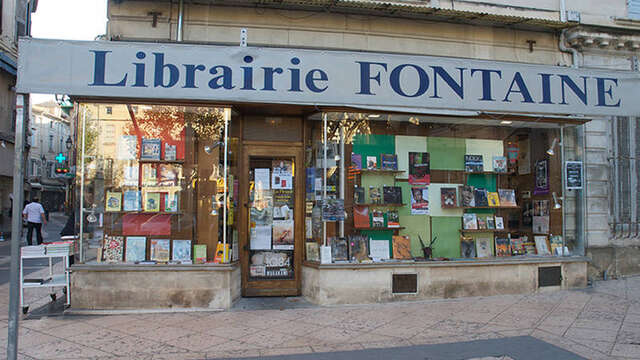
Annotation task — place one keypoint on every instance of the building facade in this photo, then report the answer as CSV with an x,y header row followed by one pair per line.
x,y
15,15
350,151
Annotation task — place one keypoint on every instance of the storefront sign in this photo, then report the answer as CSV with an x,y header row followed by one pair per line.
x,y
573,175
315,77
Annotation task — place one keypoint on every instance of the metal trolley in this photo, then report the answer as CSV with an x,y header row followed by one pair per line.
x,y
53,281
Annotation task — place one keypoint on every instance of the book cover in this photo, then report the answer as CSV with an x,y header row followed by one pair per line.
x,y
540,207
419,168
136,249
467,247
379,249
377,218
372,163
529,248
171,202
358,248
389,162
493,199
556,244
470,221
482,223
541,224
541,186
332,209
507,197
150,149
517,246
542,248
130,176
181,250
480,196
503,247
170,174
467,199
358,195
393,219
448,198
222,253
169,152
420,201
473,163
159,250
113,202
152,202
512,154
500,164
199,254
339,249
127,147
392,194
112,248
374,195
283,234
313,251
491,222
131,200
524,157
361,217
149,175
401,247
484,247
499,223
356,161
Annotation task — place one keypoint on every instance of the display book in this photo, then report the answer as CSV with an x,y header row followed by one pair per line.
x,y
133,249
362,249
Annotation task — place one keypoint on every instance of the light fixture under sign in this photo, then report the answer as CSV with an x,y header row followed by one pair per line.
x,y
506,122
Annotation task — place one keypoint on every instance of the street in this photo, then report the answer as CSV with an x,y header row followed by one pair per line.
x,y
600,322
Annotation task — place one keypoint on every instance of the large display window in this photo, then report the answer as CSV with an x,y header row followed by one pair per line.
x,y
157,184
402,188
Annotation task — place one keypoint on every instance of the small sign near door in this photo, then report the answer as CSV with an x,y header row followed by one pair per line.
x,y
573,175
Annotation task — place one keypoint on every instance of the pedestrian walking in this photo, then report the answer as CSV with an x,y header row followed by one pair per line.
x,y
34,214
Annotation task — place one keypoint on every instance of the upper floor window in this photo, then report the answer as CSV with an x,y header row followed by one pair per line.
x,y
109,110
633,9
50,143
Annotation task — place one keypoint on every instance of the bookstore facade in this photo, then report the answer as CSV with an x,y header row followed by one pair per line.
x,y
206,173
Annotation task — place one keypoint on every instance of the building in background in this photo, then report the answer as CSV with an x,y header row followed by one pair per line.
x,y
15,16
50,143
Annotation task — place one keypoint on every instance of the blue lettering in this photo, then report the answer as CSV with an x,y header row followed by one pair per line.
x,y
522,89
215,83
486,82
268,77
602,101
248,74
458,88
422,77
580,93
158,75
295,75
310,80
546,88
190,76
99,70
365,76
140,70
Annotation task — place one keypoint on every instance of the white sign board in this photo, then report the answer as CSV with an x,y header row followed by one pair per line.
x,y
227,74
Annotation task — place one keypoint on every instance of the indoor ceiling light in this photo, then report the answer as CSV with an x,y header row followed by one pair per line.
x,y
553,145
506,122
556,203
374,116
414,120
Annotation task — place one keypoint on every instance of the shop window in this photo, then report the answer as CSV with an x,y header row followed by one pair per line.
x,y
626,170
633,9
156,179
418,188
50,143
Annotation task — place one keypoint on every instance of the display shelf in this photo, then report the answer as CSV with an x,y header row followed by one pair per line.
x,y
382,172
485,230
381,205
161,161
380,228
146,212
489,172
483,207
54,281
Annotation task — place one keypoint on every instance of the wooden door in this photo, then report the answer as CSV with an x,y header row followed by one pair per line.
x,y
272,219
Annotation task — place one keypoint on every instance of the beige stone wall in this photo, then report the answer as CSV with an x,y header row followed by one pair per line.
x,y
365,285
105,287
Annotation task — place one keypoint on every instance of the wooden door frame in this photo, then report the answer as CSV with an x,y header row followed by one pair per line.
x,y
272,287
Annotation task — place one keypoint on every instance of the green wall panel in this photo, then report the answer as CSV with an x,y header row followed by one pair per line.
x,y
447,229
373,145
446,153
415,225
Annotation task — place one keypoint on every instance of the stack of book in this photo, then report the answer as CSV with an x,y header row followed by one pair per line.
x,y
36,250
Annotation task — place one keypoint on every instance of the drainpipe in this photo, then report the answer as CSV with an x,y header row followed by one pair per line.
x,y
180,20
563,47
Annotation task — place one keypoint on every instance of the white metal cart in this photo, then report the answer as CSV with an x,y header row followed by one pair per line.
x,y
54,280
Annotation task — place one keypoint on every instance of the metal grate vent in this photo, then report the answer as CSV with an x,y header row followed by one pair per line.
x,y
404,283
549,276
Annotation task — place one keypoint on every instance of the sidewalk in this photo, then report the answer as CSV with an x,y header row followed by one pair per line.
x,y
601,322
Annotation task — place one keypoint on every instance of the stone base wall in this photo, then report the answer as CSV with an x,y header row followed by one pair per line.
x,y
615,261
348,284
105,287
